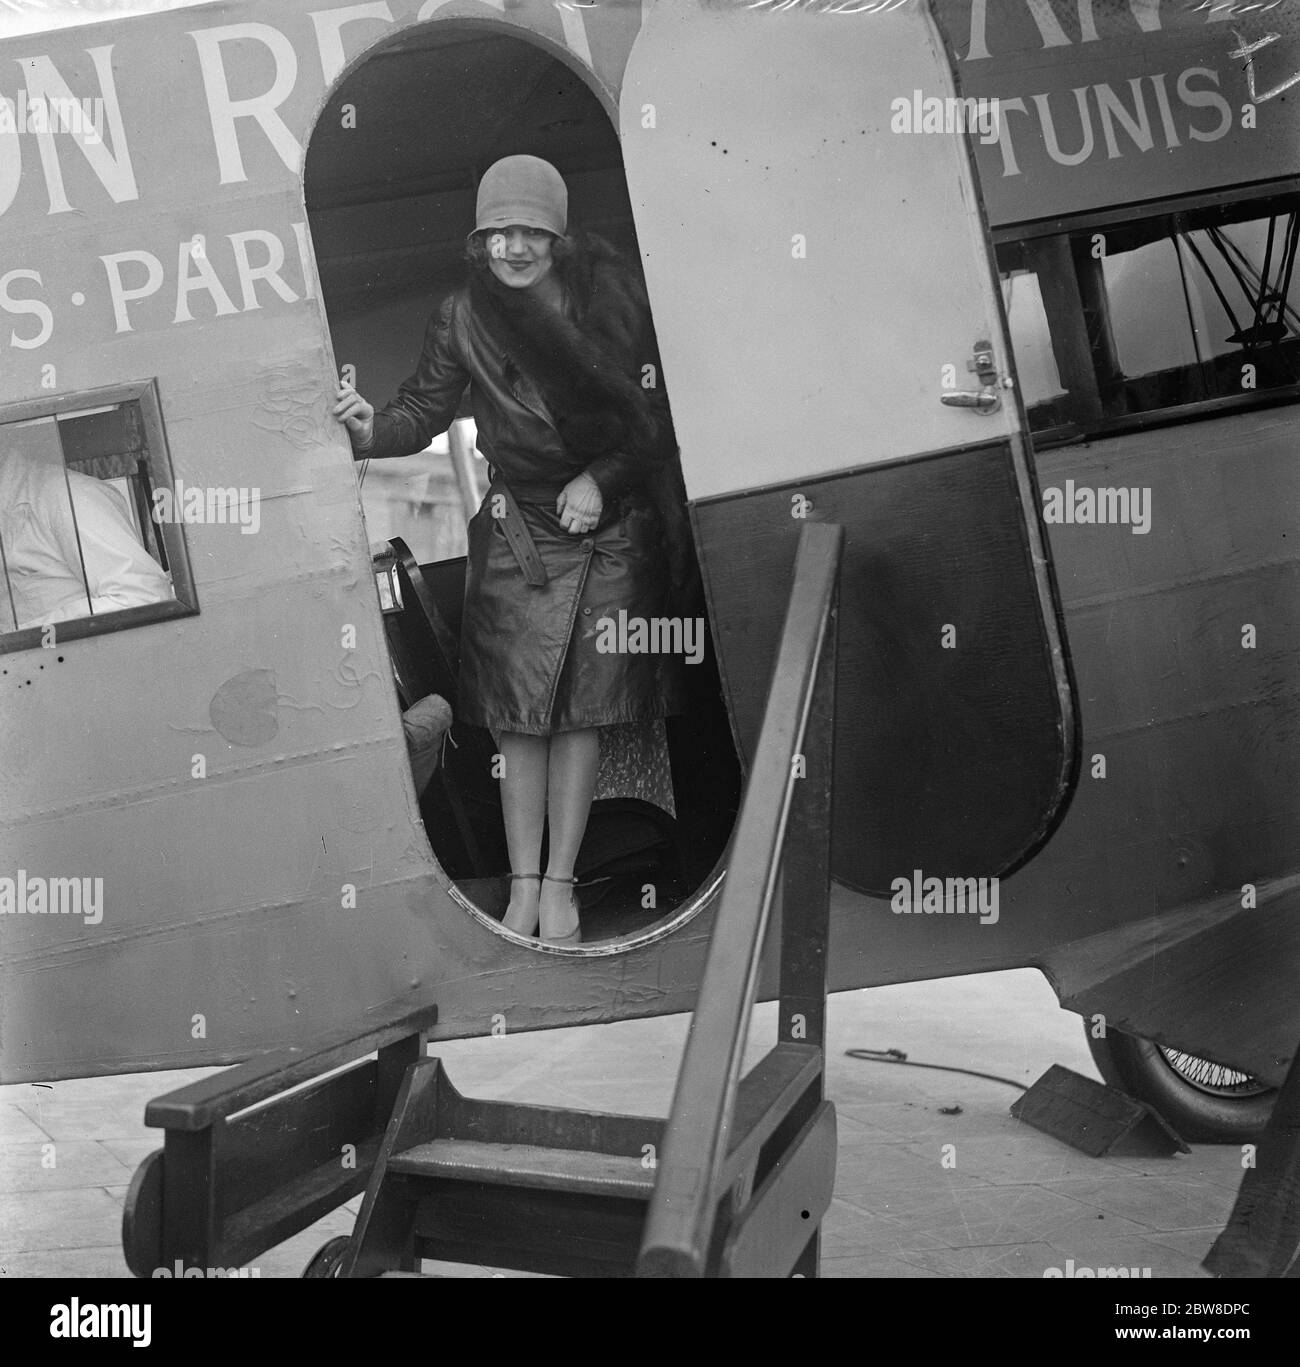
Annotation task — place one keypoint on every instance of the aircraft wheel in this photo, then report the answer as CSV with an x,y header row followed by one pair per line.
x,y
328,1258
1205,1102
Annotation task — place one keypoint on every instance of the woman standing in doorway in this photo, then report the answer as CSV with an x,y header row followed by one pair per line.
x,y
552,335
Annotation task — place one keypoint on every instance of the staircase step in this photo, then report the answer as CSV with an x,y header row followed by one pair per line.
x,y
527,1165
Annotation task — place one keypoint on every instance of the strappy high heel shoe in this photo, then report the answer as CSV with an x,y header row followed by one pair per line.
x,y
524,877
574,937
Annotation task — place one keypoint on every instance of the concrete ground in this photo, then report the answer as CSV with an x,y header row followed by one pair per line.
x,y
1010,1202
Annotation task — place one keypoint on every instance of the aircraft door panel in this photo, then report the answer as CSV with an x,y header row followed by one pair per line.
x,y
834,348
818,280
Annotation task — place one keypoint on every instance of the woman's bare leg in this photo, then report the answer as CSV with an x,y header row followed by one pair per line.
x,y
523,806
571,781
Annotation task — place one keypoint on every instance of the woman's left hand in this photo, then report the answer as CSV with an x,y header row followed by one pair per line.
x,y
579,505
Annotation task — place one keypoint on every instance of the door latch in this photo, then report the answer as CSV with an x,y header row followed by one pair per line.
x,y
986,399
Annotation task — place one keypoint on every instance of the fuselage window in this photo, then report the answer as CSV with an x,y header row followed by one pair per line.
x,y
85,544
1114,320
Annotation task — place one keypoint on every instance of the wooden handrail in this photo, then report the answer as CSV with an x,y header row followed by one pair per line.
x,y
199,1105
679,1224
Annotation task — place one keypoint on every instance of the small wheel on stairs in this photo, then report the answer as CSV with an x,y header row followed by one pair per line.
x,y
328,1258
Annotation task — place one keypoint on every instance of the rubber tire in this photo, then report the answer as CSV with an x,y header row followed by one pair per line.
x,y
1136,1066
327,1259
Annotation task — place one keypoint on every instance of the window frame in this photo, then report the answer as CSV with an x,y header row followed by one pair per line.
x,y
171,534
1083,382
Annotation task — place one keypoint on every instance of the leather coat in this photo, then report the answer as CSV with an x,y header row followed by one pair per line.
x,y
515,431
531,656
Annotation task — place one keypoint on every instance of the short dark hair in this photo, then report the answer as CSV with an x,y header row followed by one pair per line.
x,y
476,248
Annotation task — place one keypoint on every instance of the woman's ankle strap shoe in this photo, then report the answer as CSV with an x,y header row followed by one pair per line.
x,y
574,937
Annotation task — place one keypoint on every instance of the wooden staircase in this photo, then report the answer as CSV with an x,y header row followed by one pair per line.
x,y
500,1185
565,1192
734,1183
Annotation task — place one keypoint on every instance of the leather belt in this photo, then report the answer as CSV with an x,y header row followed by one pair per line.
x,y
537,491
520,539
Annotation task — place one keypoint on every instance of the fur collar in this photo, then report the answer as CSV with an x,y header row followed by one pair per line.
x,y
584,365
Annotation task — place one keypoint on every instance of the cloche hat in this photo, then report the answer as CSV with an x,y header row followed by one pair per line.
x,y
525,190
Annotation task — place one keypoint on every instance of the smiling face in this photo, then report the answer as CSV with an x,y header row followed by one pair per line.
x,y
519,256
